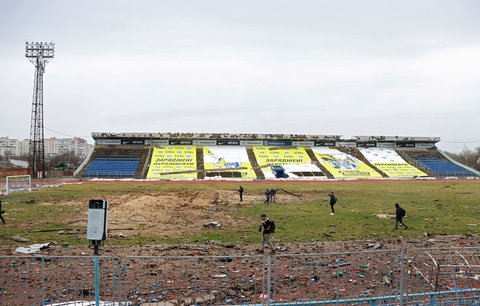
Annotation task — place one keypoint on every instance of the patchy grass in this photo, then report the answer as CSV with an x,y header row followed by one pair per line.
x,y
437,207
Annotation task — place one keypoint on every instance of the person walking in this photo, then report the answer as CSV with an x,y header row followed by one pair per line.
x,y
267,196
273,192
1,213
267,227
399,214
333,200
240,192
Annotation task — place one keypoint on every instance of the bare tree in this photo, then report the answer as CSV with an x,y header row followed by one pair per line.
x,y
69,159
468,157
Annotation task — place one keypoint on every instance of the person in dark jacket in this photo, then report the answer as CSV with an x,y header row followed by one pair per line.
x,y
240,192
267,196
1,213
399,214
333,200
266,228
273,192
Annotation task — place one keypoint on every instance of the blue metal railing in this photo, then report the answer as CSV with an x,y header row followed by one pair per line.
x,y
381,277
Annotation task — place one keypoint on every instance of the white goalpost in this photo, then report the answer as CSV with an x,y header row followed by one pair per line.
x,y
18,183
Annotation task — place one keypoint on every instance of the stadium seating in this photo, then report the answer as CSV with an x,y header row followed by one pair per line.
x,y
112,167
432,161
443,167
267,162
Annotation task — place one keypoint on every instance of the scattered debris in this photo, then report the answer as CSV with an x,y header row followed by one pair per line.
x,y
213,242
120,228
17,238
387,280
49,230
213,224
32,249
374,246
86,303
341,263
338,273
72,232
205,299
225,259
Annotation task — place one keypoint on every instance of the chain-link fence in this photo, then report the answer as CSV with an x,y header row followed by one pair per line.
x,y
397,277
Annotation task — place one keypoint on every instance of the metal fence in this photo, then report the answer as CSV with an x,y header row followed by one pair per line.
x,y
399,277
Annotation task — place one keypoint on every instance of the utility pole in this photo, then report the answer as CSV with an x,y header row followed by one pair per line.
x,y
39,54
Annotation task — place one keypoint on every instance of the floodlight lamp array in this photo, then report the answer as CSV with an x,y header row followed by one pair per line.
x,y
39,49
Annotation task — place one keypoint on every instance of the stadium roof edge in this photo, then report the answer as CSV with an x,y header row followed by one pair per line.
x,y
396,138
246,136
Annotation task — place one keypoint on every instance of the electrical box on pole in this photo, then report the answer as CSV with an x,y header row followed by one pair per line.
x,y
97,220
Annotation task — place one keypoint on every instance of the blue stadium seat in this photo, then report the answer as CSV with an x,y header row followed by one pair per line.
x,y
112,167
443,167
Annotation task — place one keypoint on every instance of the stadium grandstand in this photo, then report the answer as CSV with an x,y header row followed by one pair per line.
x,y
190,156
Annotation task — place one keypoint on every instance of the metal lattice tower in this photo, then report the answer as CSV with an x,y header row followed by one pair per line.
x,y
39,53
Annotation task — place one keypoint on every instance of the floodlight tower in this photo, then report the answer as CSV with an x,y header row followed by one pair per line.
x,y
39,53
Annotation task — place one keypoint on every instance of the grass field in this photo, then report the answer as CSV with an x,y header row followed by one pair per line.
x,y
438,207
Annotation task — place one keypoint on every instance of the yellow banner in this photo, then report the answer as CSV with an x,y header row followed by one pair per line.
x,y
399,170
173,162
227,159
272,156
342,165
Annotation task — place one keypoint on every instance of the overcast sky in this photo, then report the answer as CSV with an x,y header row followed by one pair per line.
x,y
406,68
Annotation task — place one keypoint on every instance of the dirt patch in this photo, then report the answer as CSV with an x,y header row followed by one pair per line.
x,y
170,213
173,213
384,216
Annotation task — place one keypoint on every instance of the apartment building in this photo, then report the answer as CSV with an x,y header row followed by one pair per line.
x,y
53,146
8,147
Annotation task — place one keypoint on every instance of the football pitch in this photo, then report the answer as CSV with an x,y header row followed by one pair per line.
x,y
147,212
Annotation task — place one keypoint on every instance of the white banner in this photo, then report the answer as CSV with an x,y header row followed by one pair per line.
x,y
109,141
205,142
303,143
251,142
349,144
385,145
160,142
